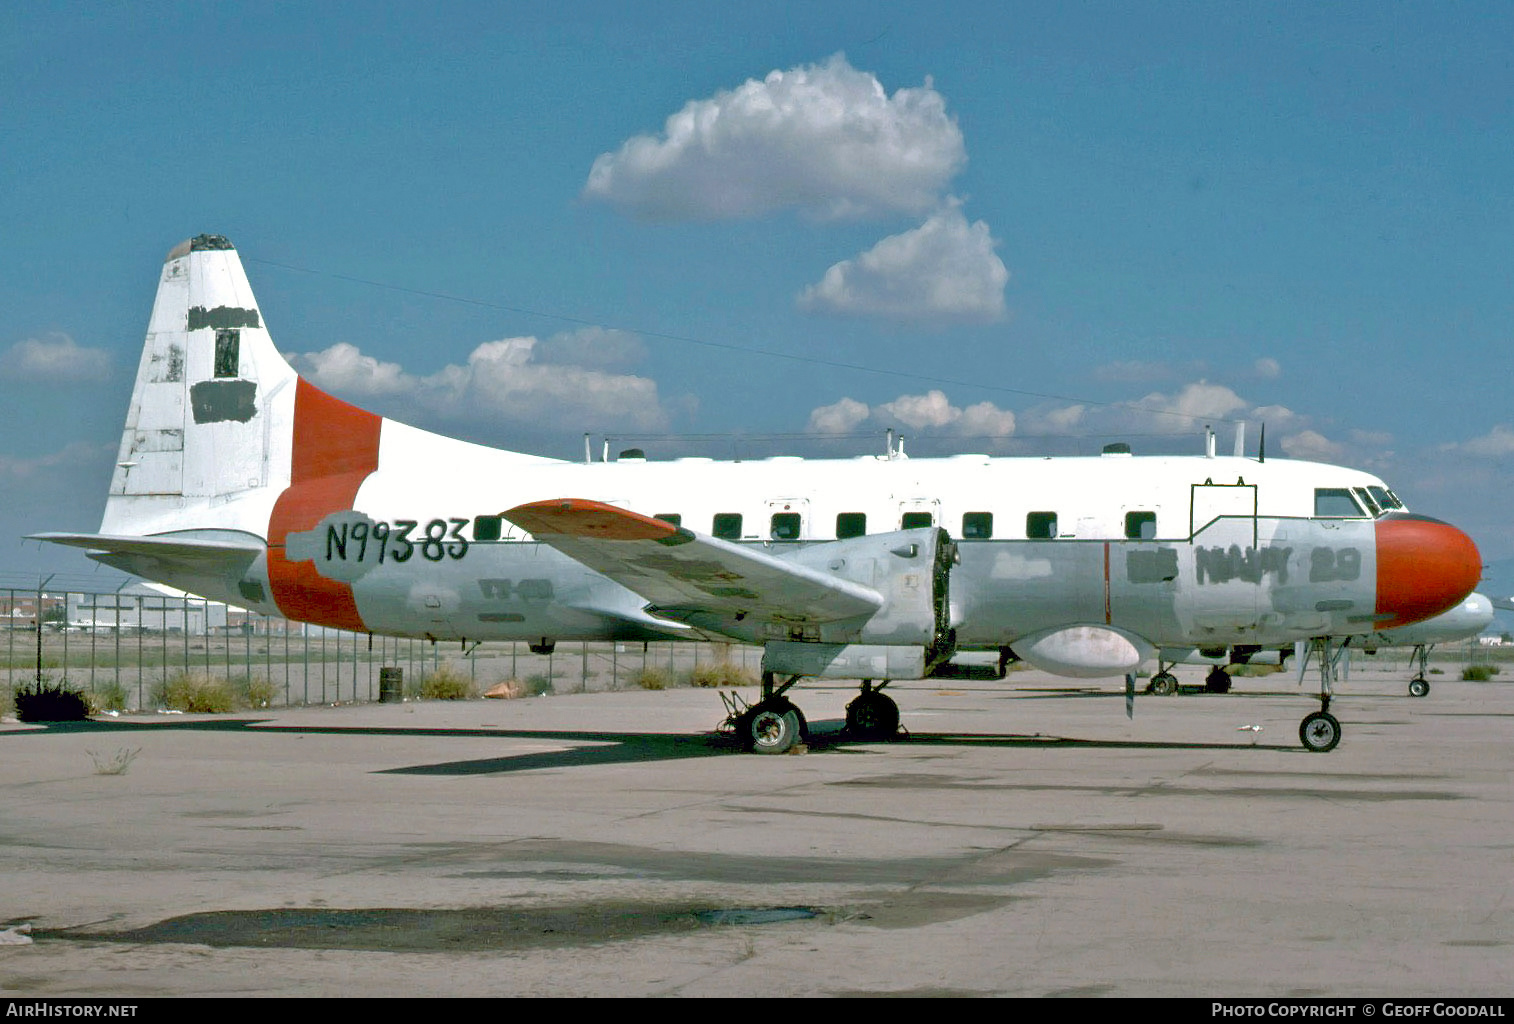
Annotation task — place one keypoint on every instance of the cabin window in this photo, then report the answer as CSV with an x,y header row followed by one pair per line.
x,y
670,517
914,520
1140,525
850,524
486,527
727,525
977,525
785,526
1336,503
1041,525
228,353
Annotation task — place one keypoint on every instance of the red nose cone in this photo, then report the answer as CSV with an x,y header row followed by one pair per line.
x,y
1424,566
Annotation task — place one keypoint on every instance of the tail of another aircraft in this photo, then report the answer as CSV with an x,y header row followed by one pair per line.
x,y
211,421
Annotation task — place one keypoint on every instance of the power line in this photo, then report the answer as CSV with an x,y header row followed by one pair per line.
x,y
723,346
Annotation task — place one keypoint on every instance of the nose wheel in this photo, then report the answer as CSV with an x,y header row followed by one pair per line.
x,y
1319,732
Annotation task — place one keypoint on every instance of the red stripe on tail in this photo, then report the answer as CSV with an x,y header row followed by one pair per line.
x,y
335,448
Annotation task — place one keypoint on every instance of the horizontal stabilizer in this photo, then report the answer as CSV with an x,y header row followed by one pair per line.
x,y
218,555
675,568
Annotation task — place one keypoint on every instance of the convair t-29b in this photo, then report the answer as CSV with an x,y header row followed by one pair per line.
x,y
241,481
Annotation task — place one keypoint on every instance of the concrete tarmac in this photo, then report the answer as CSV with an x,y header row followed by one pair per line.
x,y
1025,840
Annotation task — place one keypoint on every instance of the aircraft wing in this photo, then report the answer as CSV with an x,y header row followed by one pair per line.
x,y
677,570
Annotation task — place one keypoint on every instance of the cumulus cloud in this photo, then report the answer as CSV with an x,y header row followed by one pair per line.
x,y
931,412
1195,402
1311,444
1268,368
944,270
824,138
840,418
917,411
56,359
1275,414
595,348
344,369
1062,419
503,382
1495,444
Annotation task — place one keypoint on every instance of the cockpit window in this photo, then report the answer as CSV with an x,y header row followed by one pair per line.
x,y
1366,499
1385,498
1336,503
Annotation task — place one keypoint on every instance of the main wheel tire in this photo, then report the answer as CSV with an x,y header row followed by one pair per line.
x,y
872,716
1217,681
772,727
1319,732
1163,684
1419,687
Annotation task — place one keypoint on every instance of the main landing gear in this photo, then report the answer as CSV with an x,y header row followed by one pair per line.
x,y
1321,731
1164,683
775,725
871,715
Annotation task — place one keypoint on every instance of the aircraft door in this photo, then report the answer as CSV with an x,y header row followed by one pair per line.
x,y
1224,596
1227,510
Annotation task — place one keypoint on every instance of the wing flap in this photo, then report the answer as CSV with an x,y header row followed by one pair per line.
x,y
679,571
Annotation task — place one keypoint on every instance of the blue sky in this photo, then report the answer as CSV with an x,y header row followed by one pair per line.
x,y
1043,224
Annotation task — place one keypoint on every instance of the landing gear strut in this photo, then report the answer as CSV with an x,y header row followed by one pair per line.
x,y
871,715
1320,731
1419,686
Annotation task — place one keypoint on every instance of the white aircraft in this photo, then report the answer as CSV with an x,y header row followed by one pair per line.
x,y
241,481
1467,619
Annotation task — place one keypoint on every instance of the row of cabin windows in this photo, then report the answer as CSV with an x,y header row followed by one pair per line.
x,y
975,525
1334,502
787,525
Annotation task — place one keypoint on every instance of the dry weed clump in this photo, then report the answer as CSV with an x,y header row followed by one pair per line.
x,y
721,675
193,692
447,683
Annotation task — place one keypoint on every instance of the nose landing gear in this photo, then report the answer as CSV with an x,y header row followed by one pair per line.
x,y
1419,686
1321,731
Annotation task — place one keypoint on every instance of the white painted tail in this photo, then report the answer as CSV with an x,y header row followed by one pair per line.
x,y
211,419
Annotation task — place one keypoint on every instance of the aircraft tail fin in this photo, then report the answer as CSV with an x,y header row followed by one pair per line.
x,y
211,419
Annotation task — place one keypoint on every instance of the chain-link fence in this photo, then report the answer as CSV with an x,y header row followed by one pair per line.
x,y
136,649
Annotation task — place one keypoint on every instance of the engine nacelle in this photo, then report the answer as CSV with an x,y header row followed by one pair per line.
x,y
1085,652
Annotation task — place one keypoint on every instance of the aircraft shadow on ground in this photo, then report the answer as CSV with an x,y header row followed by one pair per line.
x,y
606,748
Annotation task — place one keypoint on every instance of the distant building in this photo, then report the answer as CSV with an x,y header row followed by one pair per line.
x,y
144,608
